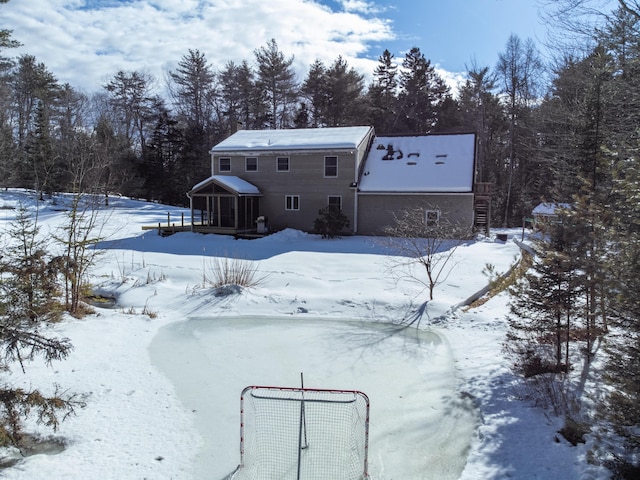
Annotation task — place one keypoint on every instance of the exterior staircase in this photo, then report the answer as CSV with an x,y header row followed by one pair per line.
x,y
482,207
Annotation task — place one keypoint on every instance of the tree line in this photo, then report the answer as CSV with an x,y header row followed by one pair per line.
x,y
129,139
580,301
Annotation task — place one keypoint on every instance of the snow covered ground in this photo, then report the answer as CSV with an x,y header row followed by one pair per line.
x,y
162,371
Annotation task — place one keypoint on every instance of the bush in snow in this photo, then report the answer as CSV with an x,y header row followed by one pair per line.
x,y
330,222
225,271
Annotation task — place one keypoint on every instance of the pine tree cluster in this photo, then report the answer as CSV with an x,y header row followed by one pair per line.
x,y
581,299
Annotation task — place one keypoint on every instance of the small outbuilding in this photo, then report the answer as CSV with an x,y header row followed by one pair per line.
x,y
545,214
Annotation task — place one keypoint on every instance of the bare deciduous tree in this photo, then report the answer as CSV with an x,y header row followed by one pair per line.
x,y
519,72
79,236
424,241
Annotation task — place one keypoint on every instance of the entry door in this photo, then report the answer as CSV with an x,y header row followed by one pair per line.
x,y
212,210
228,212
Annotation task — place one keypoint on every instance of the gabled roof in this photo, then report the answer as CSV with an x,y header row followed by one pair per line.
x,y
295,139
420,164
550,208
229,182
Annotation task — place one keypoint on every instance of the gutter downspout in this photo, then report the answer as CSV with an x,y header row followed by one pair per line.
x,y
359,168
355,210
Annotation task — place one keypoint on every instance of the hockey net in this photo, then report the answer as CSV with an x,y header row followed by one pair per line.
x,y
301,433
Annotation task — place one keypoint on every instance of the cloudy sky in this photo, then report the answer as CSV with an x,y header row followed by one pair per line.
x,y
85,42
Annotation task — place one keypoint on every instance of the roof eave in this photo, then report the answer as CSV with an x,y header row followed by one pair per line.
x,y
415,192
282,151
213,180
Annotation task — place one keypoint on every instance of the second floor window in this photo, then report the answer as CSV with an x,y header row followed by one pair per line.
x,y
251,164
330,166
224,164
282,164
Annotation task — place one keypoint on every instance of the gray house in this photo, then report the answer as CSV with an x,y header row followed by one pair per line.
x,y
282,178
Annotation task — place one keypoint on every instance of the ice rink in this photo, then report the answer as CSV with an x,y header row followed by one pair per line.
x,y
420,427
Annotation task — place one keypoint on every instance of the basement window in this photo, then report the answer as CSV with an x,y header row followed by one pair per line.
x,y
432,218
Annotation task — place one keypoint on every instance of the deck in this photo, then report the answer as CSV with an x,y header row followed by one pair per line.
x,y
170,227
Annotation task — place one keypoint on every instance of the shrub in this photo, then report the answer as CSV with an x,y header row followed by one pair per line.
x,y
574,431
225,271
330,222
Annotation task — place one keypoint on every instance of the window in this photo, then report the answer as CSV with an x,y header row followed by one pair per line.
x,y
432,217
292,202
335,203
282,164
251,164
224,164
330,166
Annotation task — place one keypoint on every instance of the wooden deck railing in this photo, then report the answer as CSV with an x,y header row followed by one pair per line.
x,y
484,189
169,225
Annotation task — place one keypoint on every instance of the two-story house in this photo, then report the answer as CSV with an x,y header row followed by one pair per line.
x,y
285,177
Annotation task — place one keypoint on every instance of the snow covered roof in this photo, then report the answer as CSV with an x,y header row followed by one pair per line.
x,y
549,208
421,164
295,139
230,182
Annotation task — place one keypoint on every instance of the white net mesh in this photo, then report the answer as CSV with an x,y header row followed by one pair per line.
x,y
295,433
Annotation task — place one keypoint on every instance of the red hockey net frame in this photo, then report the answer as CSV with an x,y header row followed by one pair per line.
x,y
303,433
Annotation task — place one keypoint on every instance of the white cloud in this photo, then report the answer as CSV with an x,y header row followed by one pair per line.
x,y
85,43
454,80
360,6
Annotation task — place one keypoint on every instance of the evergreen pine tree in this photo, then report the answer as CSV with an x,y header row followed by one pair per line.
x,y
29,282
543,312
383,95
39,149
422,92
619,181
314,91
276,78
345,100
28,296
482,113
